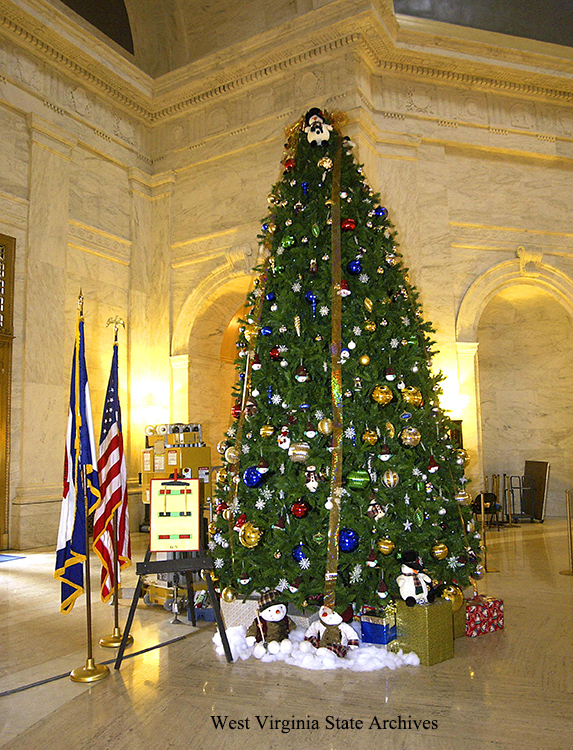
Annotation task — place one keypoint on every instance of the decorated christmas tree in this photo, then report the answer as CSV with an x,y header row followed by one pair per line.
x,y
340,465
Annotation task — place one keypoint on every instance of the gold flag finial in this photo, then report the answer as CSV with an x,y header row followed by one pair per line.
x,y
81,303
116,322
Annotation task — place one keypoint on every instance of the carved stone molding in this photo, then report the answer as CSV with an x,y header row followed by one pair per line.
x,y
529,261
457,57
97,242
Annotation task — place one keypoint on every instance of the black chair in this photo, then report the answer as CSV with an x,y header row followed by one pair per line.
x,y
491,507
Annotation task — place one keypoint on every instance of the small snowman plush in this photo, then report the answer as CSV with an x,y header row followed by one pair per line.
x,y
270,628
415,586
316,129
330,632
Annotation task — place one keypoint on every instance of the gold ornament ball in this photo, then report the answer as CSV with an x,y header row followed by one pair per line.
x,y
439,551
382,394
227,514
453,594
471,526
410,436
267,430
221,446
386,546
479,573
250,332
277,555
364,360
232,455
249,535
228,595
212,528
221,476
462,497
370,437
390,429
390,478
412,396
463,457
298,452
370,326
325,426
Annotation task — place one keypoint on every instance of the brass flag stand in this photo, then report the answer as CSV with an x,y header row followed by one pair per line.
x,y
91,672
115,638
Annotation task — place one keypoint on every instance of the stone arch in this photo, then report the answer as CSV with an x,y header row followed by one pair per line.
x,y
527,268
235,272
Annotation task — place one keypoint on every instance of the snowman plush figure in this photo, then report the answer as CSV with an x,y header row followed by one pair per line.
x,y
316,129
330,632
415,586
270,628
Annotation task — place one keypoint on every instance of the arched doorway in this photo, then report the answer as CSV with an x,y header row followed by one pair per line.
x,y
525,341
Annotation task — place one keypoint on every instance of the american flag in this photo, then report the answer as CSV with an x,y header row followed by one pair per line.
x,y
113,487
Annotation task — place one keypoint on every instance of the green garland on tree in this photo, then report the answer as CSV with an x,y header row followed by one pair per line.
x,y
401,477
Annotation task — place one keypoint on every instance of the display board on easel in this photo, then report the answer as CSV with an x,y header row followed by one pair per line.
x,y
174,515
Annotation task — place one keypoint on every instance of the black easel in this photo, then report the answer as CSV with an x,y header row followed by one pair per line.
x,y
187,565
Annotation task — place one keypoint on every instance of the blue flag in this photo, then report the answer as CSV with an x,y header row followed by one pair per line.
x,y
79,485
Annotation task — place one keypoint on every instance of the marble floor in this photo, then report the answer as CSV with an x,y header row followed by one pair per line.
x,y
510,689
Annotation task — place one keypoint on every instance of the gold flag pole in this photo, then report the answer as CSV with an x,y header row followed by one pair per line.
x,y
114,639
569,535
90,672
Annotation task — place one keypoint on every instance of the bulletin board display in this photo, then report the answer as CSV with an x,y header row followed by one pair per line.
x,y
174,515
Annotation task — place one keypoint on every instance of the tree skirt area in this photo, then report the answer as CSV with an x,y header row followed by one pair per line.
x,y
366,658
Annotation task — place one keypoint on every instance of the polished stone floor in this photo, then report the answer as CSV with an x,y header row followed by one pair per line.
x,y
508,690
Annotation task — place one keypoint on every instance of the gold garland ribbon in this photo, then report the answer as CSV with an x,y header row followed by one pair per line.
x,y
331,574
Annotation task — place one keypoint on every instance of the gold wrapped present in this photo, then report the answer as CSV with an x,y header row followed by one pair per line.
x,y
425,629
460,622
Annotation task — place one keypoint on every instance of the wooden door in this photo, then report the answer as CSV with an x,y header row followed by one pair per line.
x,y
7,248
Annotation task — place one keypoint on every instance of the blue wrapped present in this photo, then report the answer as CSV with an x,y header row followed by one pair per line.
x,y
378,629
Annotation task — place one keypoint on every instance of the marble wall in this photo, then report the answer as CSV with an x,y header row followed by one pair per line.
x,y
526,382
153,209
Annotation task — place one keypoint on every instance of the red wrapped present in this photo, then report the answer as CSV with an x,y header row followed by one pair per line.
x,y
484,614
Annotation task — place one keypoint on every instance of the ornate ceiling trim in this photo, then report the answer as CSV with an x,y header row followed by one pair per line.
x,y
408,50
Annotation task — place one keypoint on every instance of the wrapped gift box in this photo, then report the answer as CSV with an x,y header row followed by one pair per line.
x,y
484,614
459,618
241,612
378,629
425,629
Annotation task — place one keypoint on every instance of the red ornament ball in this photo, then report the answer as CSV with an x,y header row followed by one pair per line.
x,y
300,509
274,354
289,164
236,410
348,225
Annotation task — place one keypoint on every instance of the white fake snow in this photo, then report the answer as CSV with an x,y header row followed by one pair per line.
x,y
366,658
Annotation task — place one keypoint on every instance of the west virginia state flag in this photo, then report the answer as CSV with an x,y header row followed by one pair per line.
x,y
80,480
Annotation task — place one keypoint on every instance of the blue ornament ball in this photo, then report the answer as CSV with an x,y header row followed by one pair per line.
x,y
298,553
348,540
354,267
252,477
265,226
381,211
310,296
266,331
271,296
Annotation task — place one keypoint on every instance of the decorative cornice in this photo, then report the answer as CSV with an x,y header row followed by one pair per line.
x,y
98,242
401,47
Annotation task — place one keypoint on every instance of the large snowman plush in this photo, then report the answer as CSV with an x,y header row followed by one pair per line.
x,y
270,628
316,129
415,586
330,632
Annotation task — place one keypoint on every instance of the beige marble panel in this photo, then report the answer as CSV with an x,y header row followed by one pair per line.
x,y
13,153
526,375
99,193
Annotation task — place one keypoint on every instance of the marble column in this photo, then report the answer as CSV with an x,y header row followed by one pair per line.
x,y
35,509
149,304
180,387
468,376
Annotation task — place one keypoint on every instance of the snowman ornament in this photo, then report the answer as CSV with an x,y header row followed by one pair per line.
x,y
270,628
330,632
415,586
283,440
316,129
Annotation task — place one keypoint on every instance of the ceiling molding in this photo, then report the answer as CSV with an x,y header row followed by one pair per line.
x,y
416,48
